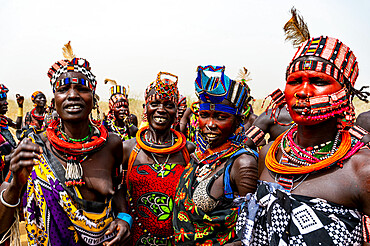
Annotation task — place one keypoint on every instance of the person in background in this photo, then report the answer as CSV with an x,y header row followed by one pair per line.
x,y
181,108
7,142
36,116
118,118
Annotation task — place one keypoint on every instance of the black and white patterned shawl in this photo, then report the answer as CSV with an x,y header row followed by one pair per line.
x,y
273,217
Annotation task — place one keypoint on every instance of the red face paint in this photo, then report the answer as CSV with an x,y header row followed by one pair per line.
x,y
216,126
303,85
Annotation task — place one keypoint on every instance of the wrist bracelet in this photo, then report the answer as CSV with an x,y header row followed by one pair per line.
x,y
7,204
20,112
126,217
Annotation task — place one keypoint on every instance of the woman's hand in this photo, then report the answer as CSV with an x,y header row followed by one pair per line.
x,y
123,232
22,160
20,100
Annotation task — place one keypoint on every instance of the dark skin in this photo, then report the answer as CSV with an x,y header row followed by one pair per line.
x,y
122,115
161,114
363,120
216,127
266,123
185,119
40,102
74,103
4,109
332,184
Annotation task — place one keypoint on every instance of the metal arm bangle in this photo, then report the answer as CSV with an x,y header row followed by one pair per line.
x,y
7,204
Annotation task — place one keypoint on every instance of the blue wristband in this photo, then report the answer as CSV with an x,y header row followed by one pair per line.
x,y
126,217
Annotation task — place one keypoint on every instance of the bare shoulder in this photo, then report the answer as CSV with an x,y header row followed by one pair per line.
x,y
129,145
245,160
363,120
361,168
114,140
190,146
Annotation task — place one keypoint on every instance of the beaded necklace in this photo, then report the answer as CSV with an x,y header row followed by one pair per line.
x,y
156,165
302,156
75,151
37,117
211,159
123,132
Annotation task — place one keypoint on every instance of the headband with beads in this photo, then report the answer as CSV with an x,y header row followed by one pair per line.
x,y
71,64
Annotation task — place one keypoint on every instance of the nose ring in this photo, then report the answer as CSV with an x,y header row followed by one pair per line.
x,y
207,127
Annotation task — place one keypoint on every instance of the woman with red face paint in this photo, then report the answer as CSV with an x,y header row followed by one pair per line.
x,y
118,118
221,167
72,194
155,161
314,178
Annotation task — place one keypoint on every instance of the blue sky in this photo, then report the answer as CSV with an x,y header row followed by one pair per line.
x,y
131,41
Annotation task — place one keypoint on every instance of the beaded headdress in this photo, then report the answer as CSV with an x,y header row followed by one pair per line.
x,y
70,64
3,91
213,90
117,93
335,59
326,55
163,88
33,96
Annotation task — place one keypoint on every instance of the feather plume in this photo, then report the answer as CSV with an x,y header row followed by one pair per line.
x,y
110,81
243,75
296,29
68,52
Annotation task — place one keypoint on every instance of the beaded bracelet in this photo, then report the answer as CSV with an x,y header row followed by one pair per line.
x,y
126,217
7,204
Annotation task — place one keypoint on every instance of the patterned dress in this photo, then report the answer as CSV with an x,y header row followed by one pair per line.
x,y
56,214
193,226
152,195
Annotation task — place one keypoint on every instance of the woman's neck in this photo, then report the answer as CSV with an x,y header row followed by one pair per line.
x,y
316,134
39,110
120,123
77,130
158,137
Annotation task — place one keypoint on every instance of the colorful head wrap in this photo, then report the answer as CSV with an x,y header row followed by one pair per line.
x,y
326,55
163,88
182,100
332,57
77,65
33,96
3,91
213,90
118,92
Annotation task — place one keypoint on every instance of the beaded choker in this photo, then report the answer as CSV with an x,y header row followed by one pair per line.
x,y
303,162
75,151
211,159
37,117
160,149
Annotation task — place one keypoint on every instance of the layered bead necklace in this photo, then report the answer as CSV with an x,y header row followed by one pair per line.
x,y
75,151
211,159
303,161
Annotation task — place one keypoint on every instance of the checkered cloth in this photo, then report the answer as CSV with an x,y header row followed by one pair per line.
x,y
274,217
